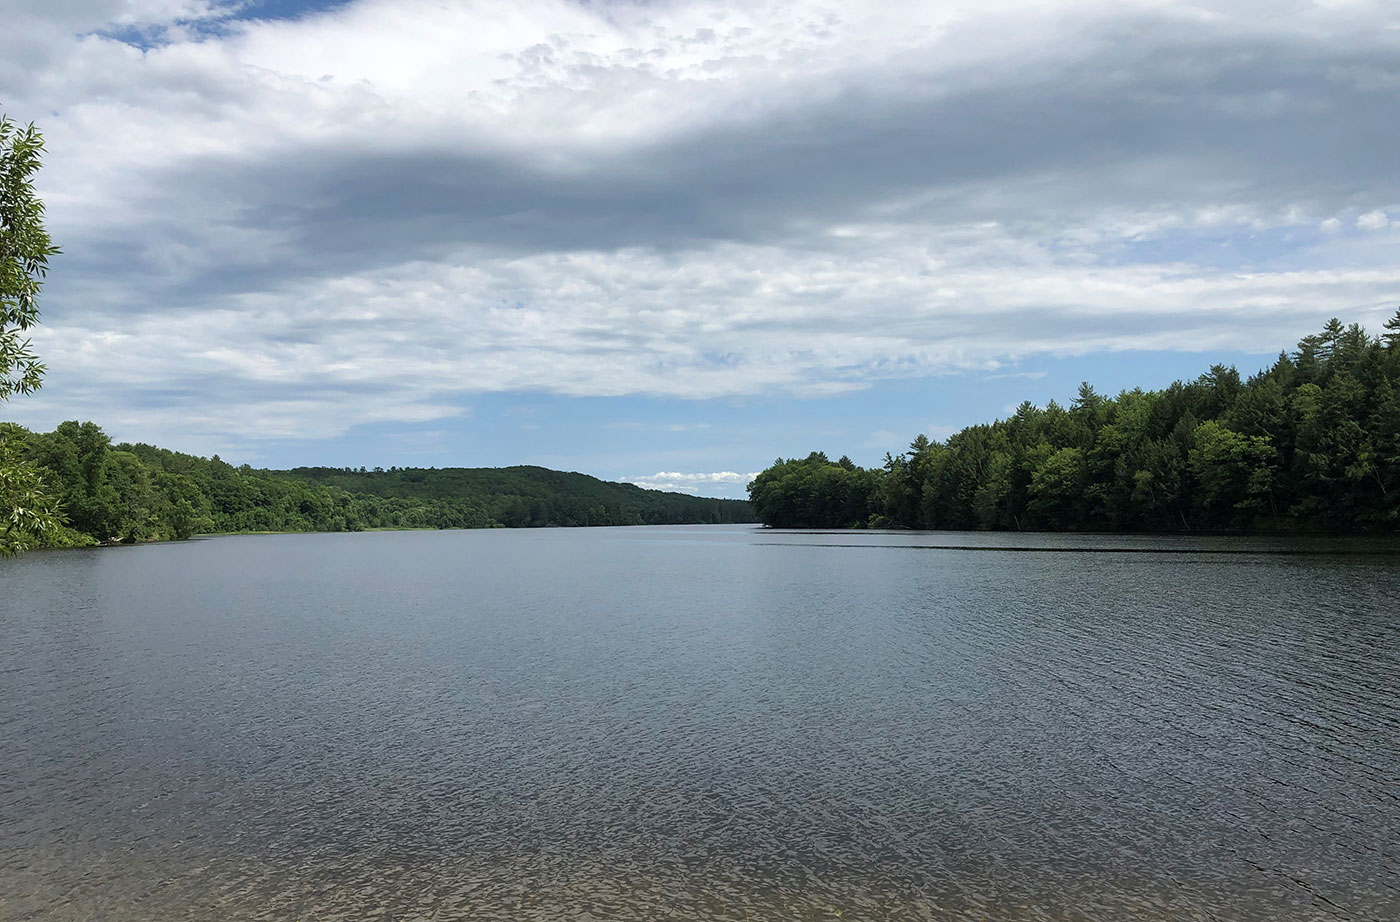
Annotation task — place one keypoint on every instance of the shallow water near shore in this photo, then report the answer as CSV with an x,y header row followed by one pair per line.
x,y
701,722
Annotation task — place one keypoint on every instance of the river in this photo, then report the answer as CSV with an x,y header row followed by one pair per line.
x,y
703,722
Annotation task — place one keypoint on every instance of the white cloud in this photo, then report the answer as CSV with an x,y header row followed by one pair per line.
x,y
722,483
1373,220
290,228
405,343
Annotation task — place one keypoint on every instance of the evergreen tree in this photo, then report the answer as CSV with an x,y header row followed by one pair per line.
x,y
1310,443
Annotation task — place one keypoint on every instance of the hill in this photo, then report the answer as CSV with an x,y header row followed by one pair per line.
x,y
138,492
527,496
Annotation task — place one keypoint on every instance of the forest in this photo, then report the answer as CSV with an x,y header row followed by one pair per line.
x,y
1309,444
131,493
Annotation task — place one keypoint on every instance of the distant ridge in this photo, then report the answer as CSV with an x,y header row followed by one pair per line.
x,y
525,496
137,492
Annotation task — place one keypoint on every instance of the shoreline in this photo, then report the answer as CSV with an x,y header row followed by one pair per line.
x,y
108,545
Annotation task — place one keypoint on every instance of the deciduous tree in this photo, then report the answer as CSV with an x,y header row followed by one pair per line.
x,y
27,512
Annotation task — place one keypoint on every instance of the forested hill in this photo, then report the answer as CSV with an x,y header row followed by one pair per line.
x,y
527,496
1311,443
141,493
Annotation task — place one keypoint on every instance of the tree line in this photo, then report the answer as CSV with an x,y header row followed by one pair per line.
x,y
130,493
74,487
1311,443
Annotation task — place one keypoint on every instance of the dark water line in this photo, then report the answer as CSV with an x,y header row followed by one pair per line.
x,y
1235,552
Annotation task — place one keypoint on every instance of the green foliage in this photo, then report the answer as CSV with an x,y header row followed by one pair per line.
x,y
1234,472
63,536
814,492
131,493
26,511
25,249
28,514
1310,443
521,497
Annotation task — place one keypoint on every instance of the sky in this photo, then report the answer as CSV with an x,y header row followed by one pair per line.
x,y
668,242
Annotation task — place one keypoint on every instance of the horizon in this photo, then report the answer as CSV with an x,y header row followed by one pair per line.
x,y
665,243
722,484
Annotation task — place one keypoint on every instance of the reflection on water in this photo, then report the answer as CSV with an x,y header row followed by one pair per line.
x,y
698,723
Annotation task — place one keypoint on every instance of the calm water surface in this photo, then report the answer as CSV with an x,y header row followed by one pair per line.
x,y
699,723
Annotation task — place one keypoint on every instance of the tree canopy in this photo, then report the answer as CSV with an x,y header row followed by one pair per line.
x,y
27,512
1310,443
137,492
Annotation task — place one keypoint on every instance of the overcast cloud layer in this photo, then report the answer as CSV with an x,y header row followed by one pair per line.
x,y
289,228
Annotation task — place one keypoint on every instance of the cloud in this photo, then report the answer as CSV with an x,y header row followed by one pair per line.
x,y
1373,220
940,433
374,212
1025,375
717,483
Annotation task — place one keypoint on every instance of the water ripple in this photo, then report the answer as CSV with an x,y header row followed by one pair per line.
x,y
700,723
